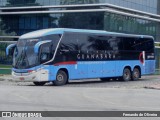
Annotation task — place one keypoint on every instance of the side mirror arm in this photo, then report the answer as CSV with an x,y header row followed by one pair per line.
x,y
9,47
37,46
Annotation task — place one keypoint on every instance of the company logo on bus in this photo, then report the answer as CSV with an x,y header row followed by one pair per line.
x,y
96,56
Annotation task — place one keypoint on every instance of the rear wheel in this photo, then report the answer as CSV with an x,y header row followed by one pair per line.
x,y
126,74
135,74
61,78
39,83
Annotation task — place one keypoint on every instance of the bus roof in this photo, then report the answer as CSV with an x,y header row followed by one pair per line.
x,y
50,31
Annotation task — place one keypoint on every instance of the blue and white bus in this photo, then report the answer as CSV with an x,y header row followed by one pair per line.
x,y
59,55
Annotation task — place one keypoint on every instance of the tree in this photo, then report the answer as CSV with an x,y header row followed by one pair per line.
x,y
3,30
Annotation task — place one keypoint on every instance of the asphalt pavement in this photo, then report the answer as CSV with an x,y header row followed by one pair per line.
x,y
86,95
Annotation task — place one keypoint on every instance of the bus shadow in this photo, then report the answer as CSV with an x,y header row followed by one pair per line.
x,y
87,82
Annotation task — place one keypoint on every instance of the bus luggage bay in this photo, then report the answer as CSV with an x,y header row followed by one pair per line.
x,y
61,54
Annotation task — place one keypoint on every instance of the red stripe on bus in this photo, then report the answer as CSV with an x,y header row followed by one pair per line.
x,y
66,63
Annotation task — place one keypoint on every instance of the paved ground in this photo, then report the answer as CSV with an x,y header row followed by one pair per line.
x,y
80,98
152,82
91,95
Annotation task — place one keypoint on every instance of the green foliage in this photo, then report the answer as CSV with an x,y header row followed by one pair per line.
x,y
5,66
3,30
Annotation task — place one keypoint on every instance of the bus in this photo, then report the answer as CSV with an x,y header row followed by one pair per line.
x,y
59,54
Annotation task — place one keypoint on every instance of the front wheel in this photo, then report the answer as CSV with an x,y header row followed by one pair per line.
x,y
126,74
39,83
135,74
61,78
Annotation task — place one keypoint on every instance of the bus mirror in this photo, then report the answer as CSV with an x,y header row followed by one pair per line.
x,y
10,49
38,45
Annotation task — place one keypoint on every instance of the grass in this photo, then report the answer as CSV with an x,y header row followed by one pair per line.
x,y
5,72
5,69
5,66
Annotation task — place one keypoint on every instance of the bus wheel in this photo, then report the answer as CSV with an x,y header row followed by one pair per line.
x,y
126,74
61,78
135,74
39,83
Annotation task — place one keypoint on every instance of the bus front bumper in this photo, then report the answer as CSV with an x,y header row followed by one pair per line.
x,y
26,77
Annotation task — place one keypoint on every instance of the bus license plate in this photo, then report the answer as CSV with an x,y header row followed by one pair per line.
x,y
22,78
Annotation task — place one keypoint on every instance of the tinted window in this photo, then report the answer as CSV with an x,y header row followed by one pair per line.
x,y
55,39
104,42
149,45
74,41
99,42
138,44
129,43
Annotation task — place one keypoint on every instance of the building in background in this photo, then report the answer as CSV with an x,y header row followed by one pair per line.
x,y
127,16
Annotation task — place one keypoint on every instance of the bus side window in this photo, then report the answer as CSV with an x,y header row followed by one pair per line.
x,y
129,43
69,42
99,43
143,44
82,42
120,44
149,45
45,54
55,39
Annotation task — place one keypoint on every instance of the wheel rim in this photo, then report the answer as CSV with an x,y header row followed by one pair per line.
x,y
60,78
127,75
135,74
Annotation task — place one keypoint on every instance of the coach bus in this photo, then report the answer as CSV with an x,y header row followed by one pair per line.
x,y
59,55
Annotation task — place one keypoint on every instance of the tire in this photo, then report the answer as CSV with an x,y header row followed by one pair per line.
x,y
135,74
126,74
39,83
61,78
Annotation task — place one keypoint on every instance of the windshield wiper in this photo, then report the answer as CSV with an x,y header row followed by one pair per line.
x,y
22,58
19,59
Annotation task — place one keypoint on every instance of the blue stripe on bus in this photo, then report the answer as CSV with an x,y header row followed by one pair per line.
x,y
94,69
99,69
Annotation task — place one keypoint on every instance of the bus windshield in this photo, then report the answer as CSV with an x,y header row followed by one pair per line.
x,y
24,56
